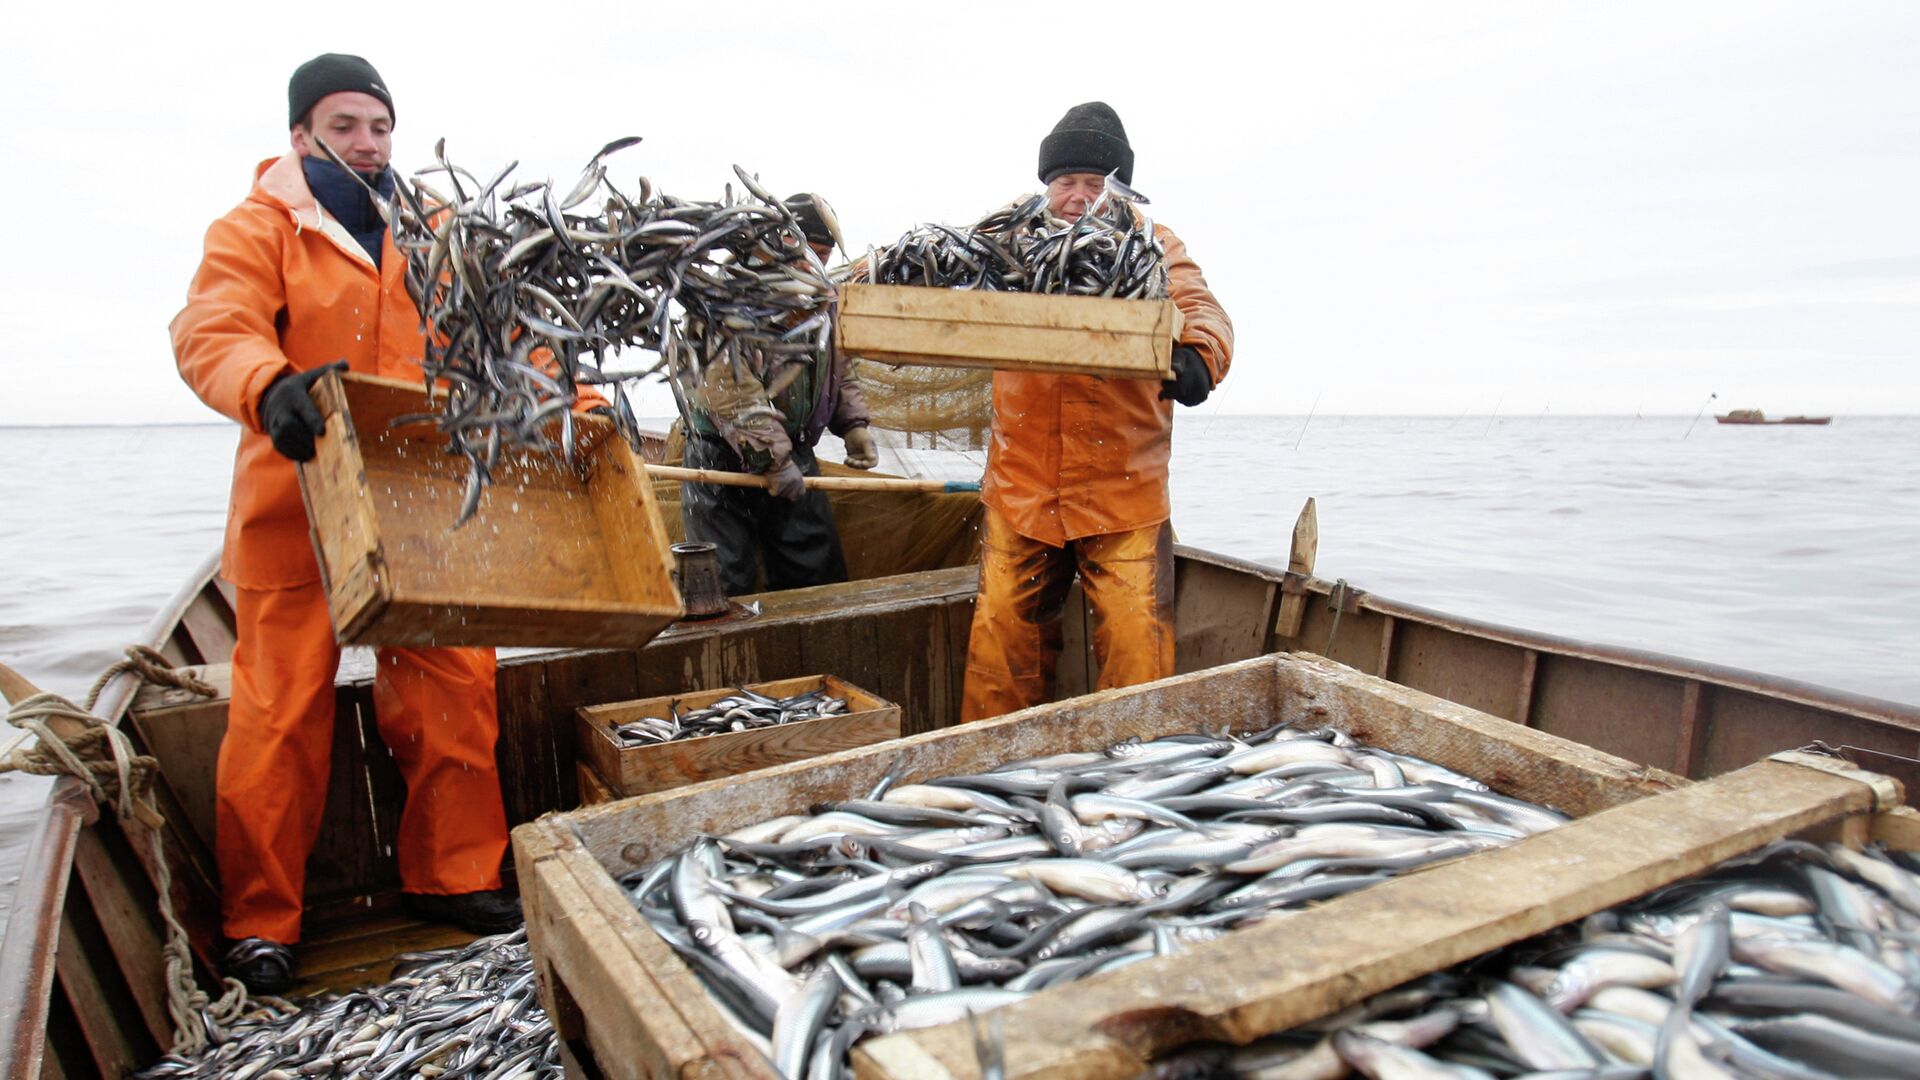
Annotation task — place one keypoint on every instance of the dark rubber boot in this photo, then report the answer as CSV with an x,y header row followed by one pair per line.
x,y
494,911
265,967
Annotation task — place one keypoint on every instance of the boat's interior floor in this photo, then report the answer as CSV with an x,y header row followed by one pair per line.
x,y
354,951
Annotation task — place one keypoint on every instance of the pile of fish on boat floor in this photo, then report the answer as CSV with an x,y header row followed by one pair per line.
x,y
1797,962
470,1012
501,273
1111,250
929,901
742,711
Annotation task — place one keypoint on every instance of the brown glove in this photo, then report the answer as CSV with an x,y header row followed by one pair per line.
x,y
761,439
861,453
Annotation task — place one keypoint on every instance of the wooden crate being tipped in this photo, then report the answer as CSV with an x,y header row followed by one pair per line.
x,y
1072,335
570,554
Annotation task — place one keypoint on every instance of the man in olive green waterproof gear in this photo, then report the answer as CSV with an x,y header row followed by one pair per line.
x,y
789,528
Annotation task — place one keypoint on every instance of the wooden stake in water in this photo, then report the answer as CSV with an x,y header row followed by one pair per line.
x,y
1698,415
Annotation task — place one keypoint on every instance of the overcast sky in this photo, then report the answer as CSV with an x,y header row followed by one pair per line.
x,y
1405,207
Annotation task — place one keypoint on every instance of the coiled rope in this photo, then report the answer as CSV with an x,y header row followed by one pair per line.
x,y
101,756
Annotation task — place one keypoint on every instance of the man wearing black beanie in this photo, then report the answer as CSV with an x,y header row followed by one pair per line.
x,y
788,529
1076,479
299,279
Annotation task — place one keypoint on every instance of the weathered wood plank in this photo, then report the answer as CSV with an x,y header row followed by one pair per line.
x,y
595,986
1009,331
1898,828
126,914
574,680
523,753
1234,989
209,627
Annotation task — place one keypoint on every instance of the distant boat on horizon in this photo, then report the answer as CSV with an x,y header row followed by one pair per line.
x,y
1755,416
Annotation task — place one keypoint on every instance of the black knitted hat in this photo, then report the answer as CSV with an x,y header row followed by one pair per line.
x,y
1088,139
817,219
331,73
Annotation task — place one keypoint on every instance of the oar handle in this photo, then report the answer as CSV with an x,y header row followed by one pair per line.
x,y
14,686
818,483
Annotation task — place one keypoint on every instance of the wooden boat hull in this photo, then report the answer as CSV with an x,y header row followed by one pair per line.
x,y
79,967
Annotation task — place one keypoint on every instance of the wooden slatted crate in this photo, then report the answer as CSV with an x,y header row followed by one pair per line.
x,y
638,770
557,555
624,1004
1075,335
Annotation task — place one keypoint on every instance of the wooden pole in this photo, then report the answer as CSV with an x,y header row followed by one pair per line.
x,y
1306,546
818,483
14,686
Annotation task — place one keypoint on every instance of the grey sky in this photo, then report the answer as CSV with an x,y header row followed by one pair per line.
x,y
1406,207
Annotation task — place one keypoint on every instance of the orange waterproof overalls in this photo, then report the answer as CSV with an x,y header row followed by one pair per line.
x,y
284,287
1076,480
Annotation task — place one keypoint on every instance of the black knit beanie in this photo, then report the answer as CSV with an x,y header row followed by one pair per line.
x,y
1088,139
817,219
331,73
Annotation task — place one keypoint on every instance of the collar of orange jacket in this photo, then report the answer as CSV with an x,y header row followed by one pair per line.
x,y
283,182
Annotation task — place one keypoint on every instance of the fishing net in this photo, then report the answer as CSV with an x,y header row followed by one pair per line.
x,y
926,407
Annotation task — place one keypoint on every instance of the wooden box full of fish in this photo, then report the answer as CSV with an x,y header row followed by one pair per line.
x,y
1074,335
559,553
618,989
653,744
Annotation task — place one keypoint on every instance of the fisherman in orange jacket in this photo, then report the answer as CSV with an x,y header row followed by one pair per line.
x,y
298,279
1076,475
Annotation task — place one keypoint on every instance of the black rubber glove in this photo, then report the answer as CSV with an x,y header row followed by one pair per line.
x,y
288,413
788,481
1191,383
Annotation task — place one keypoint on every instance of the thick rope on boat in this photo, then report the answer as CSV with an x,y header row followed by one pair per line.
x,y
101,756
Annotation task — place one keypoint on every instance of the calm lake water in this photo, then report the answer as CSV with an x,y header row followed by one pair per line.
x,y
1786,550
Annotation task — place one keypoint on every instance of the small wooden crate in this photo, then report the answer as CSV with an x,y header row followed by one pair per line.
x,y
621,997
1075,335
555,556
638,770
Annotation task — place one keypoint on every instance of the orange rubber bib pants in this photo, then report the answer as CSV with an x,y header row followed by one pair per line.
x,y
282,288
1015,644
436,713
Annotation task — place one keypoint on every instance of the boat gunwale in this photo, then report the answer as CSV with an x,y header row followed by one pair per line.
x,y
1801,692
30,944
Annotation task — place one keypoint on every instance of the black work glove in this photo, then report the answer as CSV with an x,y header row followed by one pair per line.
x,y
288,413
1191,383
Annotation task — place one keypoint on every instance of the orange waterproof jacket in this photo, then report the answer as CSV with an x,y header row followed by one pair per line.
x,y
284,287
1081,455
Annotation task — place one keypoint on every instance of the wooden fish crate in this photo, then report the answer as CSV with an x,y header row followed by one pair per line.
x,y
637,770
557,555
625,1005
1074,335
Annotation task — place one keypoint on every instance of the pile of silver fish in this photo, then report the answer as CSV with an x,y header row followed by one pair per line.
x,y
740,711
469,1012
1799,962
925,902
1110,251
523,291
